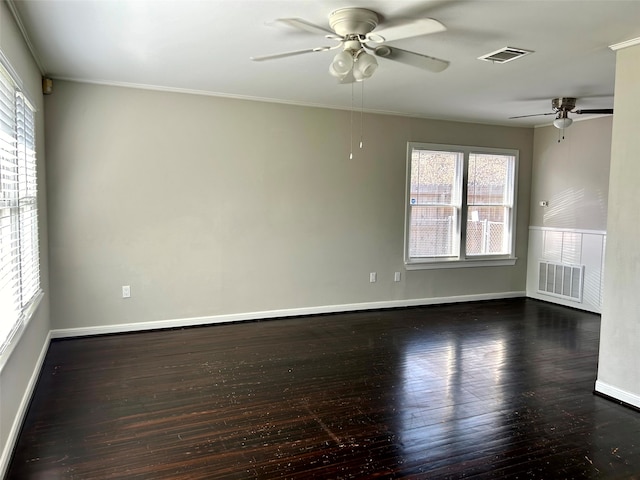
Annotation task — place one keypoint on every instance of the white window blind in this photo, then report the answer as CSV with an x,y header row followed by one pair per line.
x,y
19,257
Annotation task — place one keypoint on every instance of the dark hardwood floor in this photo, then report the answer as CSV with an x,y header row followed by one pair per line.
x,y
498,389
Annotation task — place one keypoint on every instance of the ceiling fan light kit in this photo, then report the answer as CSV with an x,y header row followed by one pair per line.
x,y
359,64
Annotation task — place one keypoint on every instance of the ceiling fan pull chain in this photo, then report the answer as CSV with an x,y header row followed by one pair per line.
x,y
351,139
361,113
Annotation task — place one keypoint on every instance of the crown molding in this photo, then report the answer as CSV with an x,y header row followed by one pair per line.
x,y
16,16
627,43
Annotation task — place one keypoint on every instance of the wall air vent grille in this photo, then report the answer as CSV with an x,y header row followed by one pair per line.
x,y
504,55
561,280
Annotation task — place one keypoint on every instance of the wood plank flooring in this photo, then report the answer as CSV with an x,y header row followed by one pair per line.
x,y
498,389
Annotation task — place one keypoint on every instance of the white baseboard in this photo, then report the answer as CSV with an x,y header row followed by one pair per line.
x,y
12,438
290,312
567,303
618,393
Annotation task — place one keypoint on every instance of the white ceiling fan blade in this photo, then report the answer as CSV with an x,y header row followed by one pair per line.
x,y
289,54
411,28
424,62
303,25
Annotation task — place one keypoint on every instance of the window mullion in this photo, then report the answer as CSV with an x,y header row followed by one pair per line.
x,y
464,178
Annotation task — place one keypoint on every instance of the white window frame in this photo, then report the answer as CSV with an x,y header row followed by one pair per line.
x,y
20,291
460,258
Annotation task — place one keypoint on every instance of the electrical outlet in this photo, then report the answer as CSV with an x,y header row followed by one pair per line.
x,y
396,277
372,277
126,291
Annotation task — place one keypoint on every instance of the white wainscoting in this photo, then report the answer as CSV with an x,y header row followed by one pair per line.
x,y
568,246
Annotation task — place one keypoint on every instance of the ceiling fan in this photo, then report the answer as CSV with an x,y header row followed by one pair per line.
x,y
360,42
562,106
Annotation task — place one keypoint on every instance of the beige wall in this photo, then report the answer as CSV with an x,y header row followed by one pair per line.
x,y
573,175
619,362
19,370
210,206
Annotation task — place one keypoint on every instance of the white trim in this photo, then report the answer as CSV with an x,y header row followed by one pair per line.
x,y
269,314
571,230
618,393
15,78
587,307
16,334
12,438
16,17
431,265
625,44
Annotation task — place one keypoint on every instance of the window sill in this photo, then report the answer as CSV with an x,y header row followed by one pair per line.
x,y
16,334
438,264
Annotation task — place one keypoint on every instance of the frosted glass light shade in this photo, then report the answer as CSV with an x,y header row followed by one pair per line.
x,y
357,75
562,123
342,64
333,72
366,64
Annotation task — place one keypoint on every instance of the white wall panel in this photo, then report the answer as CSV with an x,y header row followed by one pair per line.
x,y
571,248
592,248
552,246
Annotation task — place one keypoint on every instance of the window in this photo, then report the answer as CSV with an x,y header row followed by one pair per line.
x,y
19,259
460,208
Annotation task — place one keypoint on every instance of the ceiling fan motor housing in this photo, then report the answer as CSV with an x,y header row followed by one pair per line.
x,y
349,21
563,104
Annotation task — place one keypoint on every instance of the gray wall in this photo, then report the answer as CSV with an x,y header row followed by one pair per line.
x,y
209,206
619,362
18,371
573,175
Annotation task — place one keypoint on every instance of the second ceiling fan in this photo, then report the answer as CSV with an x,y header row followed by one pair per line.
x,y
359,42
562,106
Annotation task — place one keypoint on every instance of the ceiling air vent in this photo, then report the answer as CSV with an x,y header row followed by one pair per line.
x,y
504,55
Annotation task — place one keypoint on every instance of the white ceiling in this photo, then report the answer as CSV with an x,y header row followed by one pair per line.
x,y
205,46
